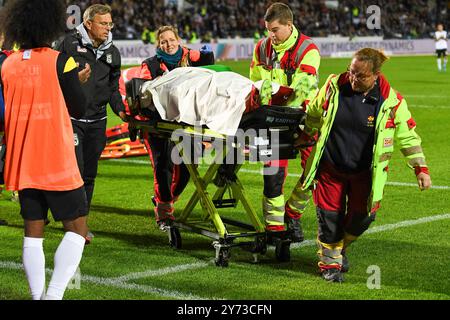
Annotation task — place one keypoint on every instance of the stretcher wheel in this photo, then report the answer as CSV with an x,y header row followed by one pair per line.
x,y
223,258
260,246
175,238
283,251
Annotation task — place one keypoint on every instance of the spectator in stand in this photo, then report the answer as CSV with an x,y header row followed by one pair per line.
x,y
401,19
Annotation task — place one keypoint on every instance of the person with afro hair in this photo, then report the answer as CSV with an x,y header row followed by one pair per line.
x,y
41,92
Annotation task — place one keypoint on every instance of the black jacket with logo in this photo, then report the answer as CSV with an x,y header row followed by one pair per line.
x,y
103,84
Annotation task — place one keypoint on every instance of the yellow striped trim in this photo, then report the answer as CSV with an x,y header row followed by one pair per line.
x,y
323,264
392,113
297,205
268,208
274,220
386,156
298,194
330,249
411,150
414,162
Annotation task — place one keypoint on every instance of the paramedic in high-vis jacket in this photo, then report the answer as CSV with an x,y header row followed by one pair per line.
x,y
357,116
288,58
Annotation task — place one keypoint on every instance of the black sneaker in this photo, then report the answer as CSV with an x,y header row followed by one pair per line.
x,y
154,200
294,227
345,264
333,275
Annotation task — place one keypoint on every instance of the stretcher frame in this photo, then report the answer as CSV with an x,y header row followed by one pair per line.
x,y
223,239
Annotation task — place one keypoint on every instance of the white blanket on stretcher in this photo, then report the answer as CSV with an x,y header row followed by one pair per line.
x,y
199,96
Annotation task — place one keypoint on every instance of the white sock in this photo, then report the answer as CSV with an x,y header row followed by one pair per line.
x,y
67,258
445,63
34,264
439,64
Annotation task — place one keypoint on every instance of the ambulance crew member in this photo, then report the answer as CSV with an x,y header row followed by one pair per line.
x,y
289,58
357,116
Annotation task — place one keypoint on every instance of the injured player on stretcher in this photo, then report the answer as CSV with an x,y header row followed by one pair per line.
x,y
199,96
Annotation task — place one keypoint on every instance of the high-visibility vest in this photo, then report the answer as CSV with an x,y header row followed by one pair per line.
x,y
291,60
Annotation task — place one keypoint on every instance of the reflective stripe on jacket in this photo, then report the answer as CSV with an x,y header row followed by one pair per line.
x,y
302,58
394,122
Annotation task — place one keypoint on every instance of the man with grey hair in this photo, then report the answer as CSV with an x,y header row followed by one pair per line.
x,y
99,64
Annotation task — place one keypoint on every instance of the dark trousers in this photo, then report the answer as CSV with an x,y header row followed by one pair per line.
x,y
169,179
90,140
274,180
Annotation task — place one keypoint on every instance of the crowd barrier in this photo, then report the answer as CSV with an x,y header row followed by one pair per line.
x,y
135,51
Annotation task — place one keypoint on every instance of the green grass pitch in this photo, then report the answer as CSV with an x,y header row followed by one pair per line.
x,y
130,258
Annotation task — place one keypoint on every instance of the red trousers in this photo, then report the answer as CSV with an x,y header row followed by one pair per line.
x,y
341,200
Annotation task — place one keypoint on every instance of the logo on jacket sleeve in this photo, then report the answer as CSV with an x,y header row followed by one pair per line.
x,y
388,142
109,58
80,49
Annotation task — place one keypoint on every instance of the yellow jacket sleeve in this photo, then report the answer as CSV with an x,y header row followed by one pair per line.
x,y
305,84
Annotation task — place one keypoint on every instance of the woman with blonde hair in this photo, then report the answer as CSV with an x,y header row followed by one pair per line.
x,y
169,179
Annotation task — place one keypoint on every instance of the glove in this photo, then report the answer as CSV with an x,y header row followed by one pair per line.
x,y
206,49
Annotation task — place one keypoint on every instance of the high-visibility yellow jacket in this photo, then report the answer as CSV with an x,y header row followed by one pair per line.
x,y
394,122
294,63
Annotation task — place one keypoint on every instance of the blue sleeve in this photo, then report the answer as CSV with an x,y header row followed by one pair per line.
x,y
2,108
2,102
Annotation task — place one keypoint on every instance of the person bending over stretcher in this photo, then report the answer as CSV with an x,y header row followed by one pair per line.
x,y
169,179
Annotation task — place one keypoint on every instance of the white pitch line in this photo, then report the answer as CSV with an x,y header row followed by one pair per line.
x,y
426,96
292,175
408,223
160,272
113,282
130,161
425,106
386,227
406,184
389,183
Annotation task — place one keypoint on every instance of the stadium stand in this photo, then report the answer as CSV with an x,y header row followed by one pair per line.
x,y
206,20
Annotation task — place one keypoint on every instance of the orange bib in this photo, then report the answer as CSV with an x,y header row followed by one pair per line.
x,y
39,136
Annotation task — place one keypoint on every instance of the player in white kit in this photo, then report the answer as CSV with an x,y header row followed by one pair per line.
x,y
440,36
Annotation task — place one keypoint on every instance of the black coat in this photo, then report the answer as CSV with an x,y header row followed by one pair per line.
x,y
102,86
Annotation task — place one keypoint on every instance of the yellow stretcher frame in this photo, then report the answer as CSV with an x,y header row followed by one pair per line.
x,y
224,240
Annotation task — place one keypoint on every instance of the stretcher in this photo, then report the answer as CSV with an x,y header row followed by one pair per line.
x,y
274,127
119,145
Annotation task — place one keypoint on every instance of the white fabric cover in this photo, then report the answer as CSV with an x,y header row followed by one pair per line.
x,y
199,96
